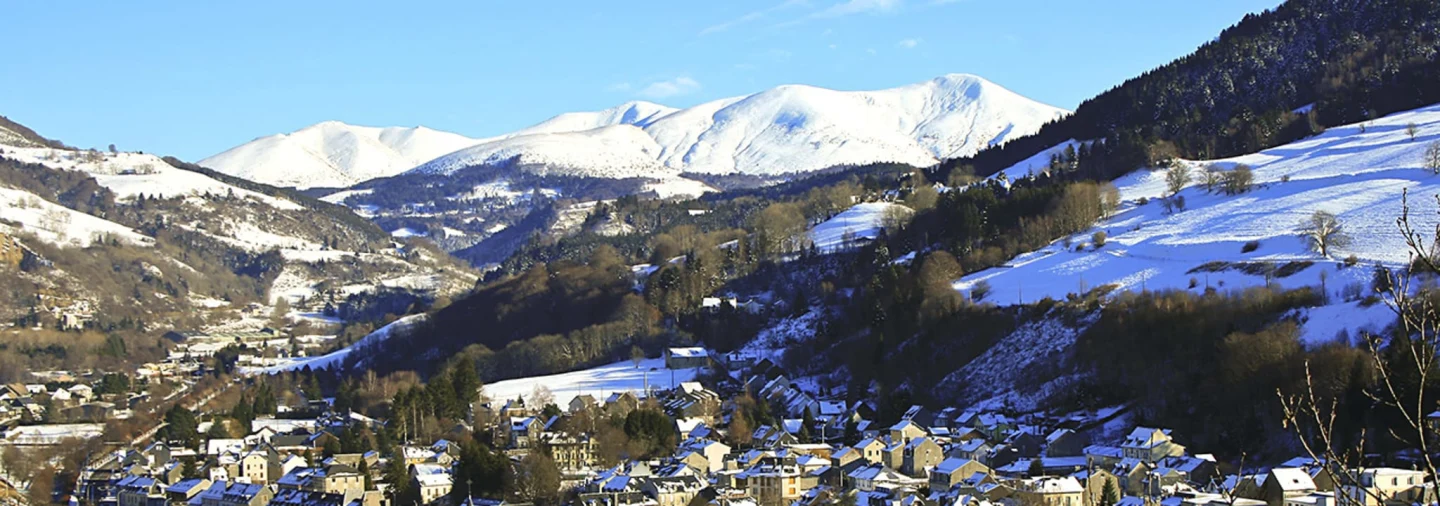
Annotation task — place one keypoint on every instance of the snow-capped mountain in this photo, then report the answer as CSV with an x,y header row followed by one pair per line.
x,y
786,129
334,154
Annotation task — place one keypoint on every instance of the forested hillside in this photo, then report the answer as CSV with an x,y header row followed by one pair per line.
x,y
1272,78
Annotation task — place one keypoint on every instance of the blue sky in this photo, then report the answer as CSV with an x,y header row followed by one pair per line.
x,y
194,78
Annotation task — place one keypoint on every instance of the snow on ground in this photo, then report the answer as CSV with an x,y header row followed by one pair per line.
x,y
1012,373
490,190
51,434
1325,324
599,381
1036,164
1356,175
679,187
336,359
130,175
58,224
772,342
859,221
406,232
340,196
246,235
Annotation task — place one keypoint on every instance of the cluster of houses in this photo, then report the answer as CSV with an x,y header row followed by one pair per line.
x,y
816,452
69,398
281,463
266,347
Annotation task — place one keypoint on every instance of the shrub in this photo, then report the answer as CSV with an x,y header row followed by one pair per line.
x,y
980,290
1250,246
1098,238
1352,291
1142,201
1351,260
1380,279
1194,283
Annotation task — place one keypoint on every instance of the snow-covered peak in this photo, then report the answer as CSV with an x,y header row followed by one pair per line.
x,y
790,128
637,113
335,154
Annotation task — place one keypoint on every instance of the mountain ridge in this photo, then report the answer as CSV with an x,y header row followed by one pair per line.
x,y
788,128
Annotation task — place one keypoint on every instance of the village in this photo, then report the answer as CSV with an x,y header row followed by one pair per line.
x,y
811,451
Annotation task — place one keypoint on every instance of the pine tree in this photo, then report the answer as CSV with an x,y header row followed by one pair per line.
x,y
1110,494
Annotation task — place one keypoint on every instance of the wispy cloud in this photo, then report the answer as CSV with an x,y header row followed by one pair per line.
x,y
849,7
752,16
908,43
845,8
618,88
670,88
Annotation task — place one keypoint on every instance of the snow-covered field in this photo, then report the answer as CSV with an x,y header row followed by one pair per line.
x,y
859,221
1356,173
599,381
27,435
336,358
60,225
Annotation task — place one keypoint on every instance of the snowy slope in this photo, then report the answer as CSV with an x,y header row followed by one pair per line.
x,y
785,129
600,381
58,224
130,175
334,154
336,359
859,221
612,151
1357,175
637,113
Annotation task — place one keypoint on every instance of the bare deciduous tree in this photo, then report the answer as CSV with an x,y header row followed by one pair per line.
x,y
1312,414
1432,157
1176,177
1324,232
1213,176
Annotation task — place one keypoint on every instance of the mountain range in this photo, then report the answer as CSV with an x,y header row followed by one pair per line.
x,y
787,129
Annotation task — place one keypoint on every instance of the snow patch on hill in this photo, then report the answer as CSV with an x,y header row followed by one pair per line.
x,y
599,381
58,224
336,359
861,221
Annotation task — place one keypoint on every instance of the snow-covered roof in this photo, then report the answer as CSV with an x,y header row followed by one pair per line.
x,y
951,465
1056,485
690,352
1292,479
